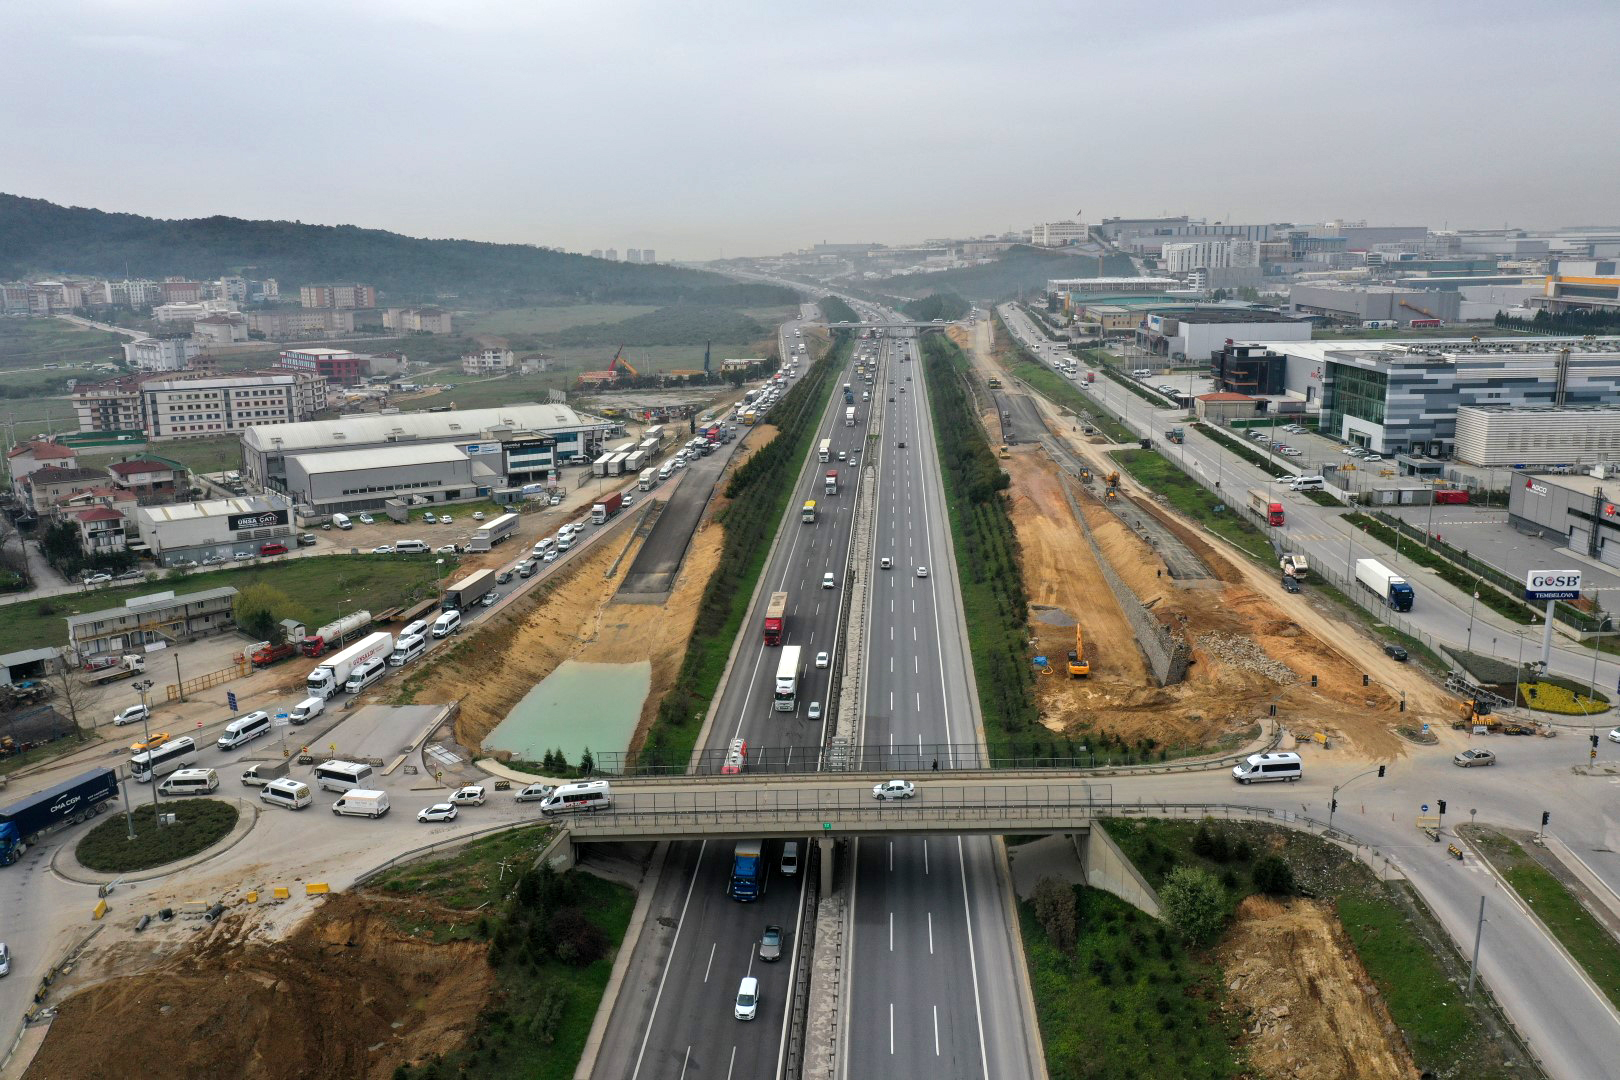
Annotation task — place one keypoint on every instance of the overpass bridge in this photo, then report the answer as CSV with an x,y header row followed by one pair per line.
x,y
886,325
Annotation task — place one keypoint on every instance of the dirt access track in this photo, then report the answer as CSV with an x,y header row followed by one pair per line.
x,y
1252,645
346,994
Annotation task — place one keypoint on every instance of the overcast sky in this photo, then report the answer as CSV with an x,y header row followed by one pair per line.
x,y
702,129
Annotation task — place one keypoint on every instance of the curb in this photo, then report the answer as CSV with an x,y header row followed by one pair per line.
x,y
645,890
238,833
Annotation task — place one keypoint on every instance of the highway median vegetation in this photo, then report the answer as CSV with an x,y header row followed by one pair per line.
x,y
834,309
941,305
994,601
1159,474
758,494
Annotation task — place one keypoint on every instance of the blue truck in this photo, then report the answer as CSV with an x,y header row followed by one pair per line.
x,y
747,871
24,822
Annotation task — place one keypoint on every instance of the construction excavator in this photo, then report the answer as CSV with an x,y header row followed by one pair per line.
x,y
1111,485
1078,665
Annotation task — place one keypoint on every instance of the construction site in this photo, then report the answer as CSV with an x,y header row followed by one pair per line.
x,y
1165,637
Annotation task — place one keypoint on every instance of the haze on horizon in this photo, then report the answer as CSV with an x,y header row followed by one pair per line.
x,y
751,129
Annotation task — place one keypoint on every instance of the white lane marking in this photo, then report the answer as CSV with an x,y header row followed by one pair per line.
x,y
936,1031
679,925
891,1029
930,933
709,968
891,931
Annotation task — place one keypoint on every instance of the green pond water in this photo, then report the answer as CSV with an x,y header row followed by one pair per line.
x,y
576,706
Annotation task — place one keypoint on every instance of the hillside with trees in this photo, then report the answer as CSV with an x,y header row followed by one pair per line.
x,y
39,237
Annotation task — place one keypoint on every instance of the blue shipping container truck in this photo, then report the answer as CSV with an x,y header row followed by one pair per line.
x,y
24,822
748,871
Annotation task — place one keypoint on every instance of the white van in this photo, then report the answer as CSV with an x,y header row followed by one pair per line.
x,y
411,547
790,858
341,775
419,628
342,521
244,729
1142,373
293,794
447,624
190,782
362,802
408,649
573,798
366,674
665,470
543,545
307,710
1260,767
1308,483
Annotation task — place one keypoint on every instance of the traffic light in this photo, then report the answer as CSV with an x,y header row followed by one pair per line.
x,y
1335,807
1442,804
1546,816
1380,770
1594,741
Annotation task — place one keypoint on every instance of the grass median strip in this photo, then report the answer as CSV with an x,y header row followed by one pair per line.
x,y
1586,939
1050,385
1157,472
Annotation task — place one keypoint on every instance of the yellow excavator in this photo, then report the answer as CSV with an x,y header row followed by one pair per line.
x,y
1112,485
1078,665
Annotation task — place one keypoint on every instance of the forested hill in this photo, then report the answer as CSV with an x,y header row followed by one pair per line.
x,y
39,237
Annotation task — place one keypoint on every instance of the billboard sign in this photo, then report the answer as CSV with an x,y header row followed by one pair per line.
x,y
269,518
1543,585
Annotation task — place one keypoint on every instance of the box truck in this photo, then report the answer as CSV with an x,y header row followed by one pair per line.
x,y
25,821
329,678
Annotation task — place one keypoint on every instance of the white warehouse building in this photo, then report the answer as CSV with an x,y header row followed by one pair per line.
x,y
1509,435
349,481
215,528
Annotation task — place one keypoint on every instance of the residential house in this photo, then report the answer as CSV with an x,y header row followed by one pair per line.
x,y
37,454
150,481
49,485
101,530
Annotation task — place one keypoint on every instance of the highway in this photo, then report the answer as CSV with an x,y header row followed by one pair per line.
x,y
940,972
675,1016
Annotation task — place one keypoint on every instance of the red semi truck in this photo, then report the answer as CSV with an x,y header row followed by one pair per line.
x,y
605,509
775,617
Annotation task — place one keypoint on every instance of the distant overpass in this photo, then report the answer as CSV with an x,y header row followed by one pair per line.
x,y
887,325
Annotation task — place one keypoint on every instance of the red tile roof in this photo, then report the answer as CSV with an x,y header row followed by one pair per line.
x,y
1223,396
100,513
44,451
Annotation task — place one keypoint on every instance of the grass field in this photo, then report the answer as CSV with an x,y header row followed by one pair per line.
x,y
200,823
214,455
1160,474
541,320
32,343
469,879
322,588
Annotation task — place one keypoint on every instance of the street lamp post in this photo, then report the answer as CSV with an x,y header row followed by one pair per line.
x,y
1472,605
142,687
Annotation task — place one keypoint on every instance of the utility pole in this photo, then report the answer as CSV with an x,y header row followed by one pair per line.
x,y
142,686
1479,932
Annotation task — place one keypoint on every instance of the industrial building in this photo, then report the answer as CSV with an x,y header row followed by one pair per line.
x,y
1358,304
1581,509
157,618
513,445
192,532
352,481
1493,435
1198,334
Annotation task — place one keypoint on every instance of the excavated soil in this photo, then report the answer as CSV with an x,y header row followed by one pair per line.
x,y
1252,646
344,995
1309,1010
576,618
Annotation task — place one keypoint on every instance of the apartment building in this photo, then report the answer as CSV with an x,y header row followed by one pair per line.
x,y
318,322
343,297
197,408
176,291
417,320
1057,233
489,362
160,354
340,366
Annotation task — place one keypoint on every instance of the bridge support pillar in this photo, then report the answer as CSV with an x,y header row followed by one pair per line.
x,y
560,854
828,846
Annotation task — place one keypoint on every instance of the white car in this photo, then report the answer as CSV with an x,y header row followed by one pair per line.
x,y
445,549
471,795
550,556
367,519
132,715
822,659
894,789
747,1006
814,712
383,549
98,579
5,959
827,581
922,571
478,515
439,811
1614,735
445,519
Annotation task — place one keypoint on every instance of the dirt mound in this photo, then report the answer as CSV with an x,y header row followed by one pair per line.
x,y
345,995
1309,1010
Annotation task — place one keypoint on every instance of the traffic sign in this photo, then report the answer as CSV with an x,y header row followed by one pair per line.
x,y
230,698
1425,729
1425,808
281,720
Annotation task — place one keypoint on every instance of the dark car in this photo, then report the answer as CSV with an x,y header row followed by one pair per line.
x,y
503,577
770,944
1289,584
901,444
1395,652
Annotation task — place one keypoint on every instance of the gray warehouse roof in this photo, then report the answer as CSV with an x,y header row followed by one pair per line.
x,y
372,429
248,504
379,457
